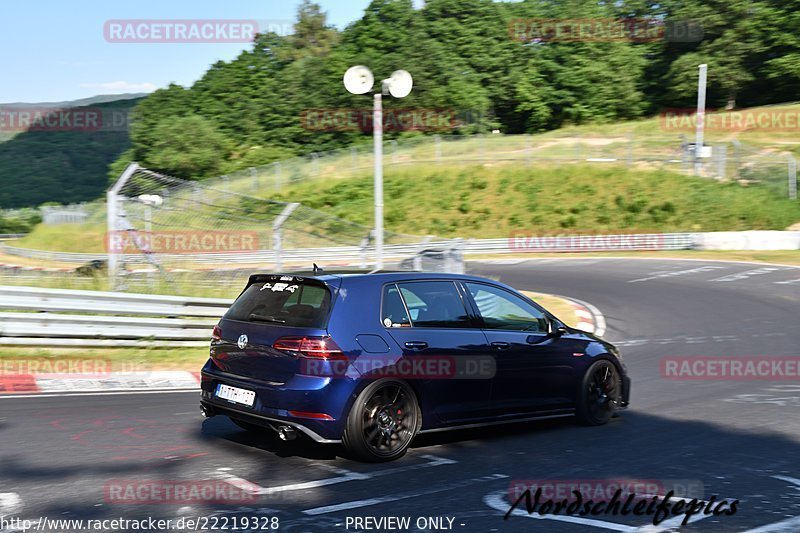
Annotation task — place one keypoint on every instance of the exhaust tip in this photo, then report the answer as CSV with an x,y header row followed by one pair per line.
x,y
286,433
207,412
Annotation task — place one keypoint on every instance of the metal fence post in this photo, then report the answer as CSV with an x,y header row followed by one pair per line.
x,y
363,249
113,257
437,139
315,164
684,154
112,214
630,149
722,161
277,166
529,148
277,233
792,178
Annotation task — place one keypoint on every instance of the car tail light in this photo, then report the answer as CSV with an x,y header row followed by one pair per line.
x,y
216,334
314,416
320,347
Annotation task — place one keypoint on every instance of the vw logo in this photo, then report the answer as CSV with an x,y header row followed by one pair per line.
x,y
242,342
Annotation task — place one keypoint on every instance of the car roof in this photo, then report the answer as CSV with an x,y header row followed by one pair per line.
x,y
378,277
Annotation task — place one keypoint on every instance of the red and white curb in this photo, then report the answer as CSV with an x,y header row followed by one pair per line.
x,y
106,382
589,317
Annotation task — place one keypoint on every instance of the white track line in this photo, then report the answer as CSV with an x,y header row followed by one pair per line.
x,y
10,503
344,477
792,480
114,393
402,496
790,525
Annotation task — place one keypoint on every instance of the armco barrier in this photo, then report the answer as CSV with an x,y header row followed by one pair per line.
x,y
519,242
659,241
748,240
115,319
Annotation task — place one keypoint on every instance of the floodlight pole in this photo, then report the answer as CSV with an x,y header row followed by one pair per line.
x,y
377,137
701,117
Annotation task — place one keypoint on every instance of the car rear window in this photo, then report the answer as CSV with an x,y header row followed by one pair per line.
x,y
281,302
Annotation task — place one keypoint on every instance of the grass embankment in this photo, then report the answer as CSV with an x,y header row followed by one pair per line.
x,y
482,202
516,188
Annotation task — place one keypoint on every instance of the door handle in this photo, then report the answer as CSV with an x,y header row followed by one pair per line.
x,y
416,345
501,345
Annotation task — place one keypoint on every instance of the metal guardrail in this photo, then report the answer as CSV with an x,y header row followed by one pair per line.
x,y
517,243
113,319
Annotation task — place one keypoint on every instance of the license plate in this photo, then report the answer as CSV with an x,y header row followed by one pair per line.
x,y
236,395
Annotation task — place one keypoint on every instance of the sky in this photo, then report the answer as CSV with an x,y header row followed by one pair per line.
x,y
56,50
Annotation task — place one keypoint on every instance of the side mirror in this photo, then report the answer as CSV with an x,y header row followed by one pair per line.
x,y
554,328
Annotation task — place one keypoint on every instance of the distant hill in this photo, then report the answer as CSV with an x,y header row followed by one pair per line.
x,y
63,164
92,100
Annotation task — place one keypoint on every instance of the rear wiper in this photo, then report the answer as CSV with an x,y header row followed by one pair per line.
x,y
264,318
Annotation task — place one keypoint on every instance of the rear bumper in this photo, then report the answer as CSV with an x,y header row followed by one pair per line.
x,y
274,401
215,408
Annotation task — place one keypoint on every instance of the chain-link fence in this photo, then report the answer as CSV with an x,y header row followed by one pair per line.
x,y
170,229
161,227
719,160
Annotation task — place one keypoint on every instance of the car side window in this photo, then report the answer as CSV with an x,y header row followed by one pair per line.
x,y
434,304
501,309
393,310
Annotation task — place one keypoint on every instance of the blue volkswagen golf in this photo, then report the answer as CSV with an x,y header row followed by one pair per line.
x,y
372,360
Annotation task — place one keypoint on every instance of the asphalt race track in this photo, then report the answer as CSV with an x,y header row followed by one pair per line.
x,y
738,439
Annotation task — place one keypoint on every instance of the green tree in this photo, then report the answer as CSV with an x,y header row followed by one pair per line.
x,y
188,147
